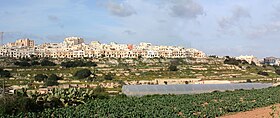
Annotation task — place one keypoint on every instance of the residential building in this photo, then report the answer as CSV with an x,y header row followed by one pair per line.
x,y
273,61
74,47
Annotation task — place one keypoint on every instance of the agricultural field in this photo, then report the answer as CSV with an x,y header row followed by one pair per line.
x,y
212,105
124,71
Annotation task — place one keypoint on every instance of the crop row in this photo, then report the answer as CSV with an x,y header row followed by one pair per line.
x,y
201,105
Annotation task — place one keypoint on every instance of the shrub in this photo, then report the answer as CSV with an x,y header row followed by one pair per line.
x,y
109,76
263,73
84,73
52,80
232,61
40,77
78,63
173,68
34,63
249,80
277,71
22,64
46,62
13,105
4,73
54,77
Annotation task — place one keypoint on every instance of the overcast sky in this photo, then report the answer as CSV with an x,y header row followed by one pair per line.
x,y
221,27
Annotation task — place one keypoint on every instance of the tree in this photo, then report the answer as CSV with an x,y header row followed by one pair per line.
x,y
34,63
22,63
232,61
4,73
277,71
109,76
84,73
173,68
12,105
78,63
263,73
40,77
52,80
51,83
54,77
253,63
46,62
90,63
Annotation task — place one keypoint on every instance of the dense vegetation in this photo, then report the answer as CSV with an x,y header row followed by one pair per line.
x,y
201,105
82,74
23,102
4,73
78,63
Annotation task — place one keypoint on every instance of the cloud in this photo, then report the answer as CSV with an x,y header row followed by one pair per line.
x,y
129,32
53,18
263,30
238,13
186,9
56,20
120,9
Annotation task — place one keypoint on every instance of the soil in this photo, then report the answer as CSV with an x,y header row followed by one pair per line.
x,y
264,112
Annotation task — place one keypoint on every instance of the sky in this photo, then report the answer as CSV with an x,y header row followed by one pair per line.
x,y
217,27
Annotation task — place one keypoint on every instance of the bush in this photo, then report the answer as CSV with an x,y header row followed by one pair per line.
x,y
40,77
22,64
4,73
263,73
34,63
249,81
78,63
52,80
277,71
46,62
84,73
54,77
173,68
109,76
51,83
17,104
232,61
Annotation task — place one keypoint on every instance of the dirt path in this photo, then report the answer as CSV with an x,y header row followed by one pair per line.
x,y
264,112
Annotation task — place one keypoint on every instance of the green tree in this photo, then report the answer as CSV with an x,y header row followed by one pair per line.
x,y
84,73
34,63
277,71
54,77
4,73
173,68
109,76
46,62
263,73
51,83
40,77
52,80
22,63
12,105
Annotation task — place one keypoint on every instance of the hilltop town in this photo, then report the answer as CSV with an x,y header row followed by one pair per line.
x,y
75,47
113,65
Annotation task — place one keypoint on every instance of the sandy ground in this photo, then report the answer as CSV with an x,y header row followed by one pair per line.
x,y
264,112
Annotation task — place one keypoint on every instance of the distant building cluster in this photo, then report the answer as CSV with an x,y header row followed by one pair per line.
x,y
272,61
250,59
75,47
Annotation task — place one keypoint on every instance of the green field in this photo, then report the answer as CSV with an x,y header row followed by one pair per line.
x,y
201,105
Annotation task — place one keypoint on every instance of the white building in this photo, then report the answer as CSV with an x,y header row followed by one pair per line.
x,y
71,41
249,59
74,47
